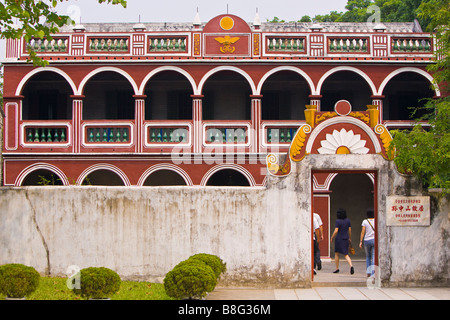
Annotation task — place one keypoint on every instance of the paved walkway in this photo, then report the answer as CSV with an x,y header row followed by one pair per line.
x,y
330,286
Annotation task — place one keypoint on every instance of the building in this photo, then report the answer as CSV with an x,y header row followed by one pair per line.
x,y
222,103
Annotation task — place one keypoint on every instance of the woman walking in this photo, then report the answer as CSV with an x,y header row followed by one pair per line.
x,y
343,235
368,236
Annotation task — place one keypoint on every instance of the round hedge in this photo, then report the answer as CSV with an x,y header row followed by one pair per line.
x,y
18,280
213,261
98,283
190,279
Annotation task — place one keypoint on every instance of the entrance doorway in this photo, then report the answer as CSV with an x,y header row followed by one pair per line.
x,y
355,191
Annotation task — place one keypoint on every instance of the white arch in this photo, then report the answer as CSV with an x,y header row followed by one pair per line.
x,y
165,166
41,166
346,68
104,69
394,73
220,167
103,166
343,119
44,69
226,68
286,68
168,68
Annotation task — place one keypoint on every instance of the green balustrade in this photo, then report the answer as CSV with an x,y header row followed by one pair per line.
x,y
284,44
43,135
168,135
109,135
405,45
57,44
348,45
226,135
108,44
171,44
281,135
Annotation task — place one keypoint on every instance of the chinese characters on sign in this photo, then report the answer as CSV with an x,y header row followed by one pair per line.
x,y
407,211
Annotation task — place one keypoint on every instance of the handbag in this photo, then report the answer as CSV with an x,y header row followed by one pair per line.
x,y
351,250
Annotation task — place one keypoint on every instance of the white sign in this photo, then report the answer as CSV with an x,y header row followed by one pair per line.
x,y
407,211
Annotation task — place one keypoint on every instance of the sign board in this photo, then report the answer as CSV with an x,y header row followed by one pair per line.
x,y
407,211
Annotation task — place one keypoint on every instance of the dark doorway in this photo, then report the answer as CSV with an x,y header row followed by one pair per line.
x,y
42,177
228,177
164,178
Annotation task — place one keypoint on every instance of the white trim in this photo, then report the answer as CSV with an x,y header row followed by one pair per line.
x,y
106,69
113,124
344,119
165,166
168,68
394,73
40,166
176,125
345,68
27,144
44,69
235,167
227,68
103,166
286,68
249,134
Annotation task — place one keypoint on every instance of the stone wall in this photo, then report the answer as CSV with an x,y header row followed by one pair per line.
x,y
263,234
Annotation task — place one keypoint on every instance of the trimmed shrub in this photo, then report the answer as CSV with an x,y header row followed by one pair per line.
x,y
190,280
98,283
211,260
18,280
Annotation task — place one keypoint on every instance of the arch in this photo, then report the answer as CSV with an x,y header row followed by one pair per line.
x,y
234,167
285,68
103,166
345,68
343,119
104,69
41,166
428,76
30,74
168,68
165,166
226,68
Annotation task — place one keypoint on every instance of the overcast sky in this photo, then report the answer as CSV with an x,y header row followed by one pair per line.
x,y
185,10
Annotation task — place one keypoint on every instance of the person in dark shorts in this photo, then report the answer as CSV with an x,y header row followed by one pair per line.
x,y
343,234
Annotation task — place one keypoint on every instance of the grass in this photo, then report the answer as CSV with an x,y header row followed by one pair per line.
x,y
53,288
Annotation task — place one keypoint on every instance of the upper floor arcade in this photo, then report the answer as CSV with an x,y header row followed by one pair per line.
x,y
227,85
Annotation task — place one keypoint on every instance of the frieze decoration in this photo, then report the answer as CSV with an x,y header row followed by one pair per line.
x,y
343,142
275,168
227,43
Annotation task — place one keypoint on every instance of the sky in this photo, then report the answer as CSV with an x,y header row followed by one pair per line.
x,y
90,11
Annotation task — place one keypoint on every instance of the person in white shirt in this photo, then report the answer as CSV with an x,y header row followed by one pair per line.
x,y
318,236
368,236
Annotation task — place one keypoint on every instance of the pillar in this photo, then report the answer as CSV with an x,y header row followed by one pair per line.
x,y
197,116
315,101
256,133
139,117
77,116
378,101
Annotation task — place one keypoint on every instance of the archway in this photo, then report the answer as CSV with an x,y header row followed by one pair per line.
x,y
42,177
103,177
228,177
47,97
164,177
285,94
226,97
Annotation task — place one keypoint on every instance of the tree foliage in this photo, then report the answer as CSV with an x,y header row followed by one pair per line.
x,y
35,19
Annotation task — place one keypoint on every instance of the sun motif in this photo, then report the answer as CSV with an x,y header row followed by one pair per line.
x,y
343,142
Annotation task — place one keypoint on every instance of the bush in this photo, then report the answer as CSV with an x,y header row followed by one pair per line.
x,y
213,261
190,279
18,280
98,283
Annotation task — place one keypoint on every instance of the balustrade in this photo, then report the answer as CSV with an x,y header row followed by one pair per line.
x,y
226,135
280,134
348,45
99,44
108,134
287,44
46,134
404,45
57,44
168,135
158,44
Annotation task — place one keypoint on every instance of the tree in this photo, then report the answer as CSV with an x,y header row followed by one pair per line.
x,y
426,154
35,19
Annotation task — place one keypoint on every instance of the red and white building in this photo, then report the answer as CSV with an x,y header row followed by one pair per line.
x,y
200,103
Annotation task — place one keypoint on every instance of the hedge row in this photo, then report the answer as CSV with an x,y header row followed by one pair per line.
x,y
195,277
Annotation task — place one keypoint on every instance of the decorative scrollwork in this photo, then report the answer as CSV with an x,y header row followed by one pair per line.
x,y
299,141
